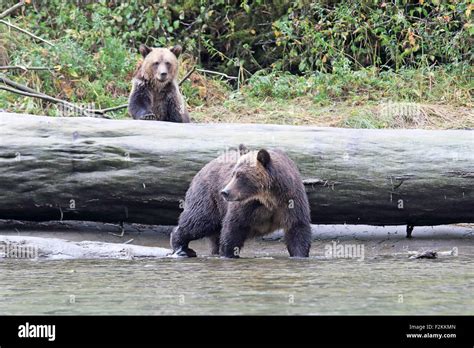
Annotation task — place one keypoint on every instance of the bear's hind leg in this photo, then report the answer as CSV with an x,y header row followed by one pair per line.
x,y
179,243
298,240
192,225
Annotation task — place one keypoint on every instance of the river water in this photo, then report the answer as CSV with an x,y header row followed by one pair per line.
x,y
265,281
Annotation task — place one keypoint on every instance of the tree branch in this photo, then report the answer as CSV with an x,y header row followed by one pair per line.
x,y
19,86
114,108
11,9
26,32
187,75
85,112
29,92
34,95
25,68
217,73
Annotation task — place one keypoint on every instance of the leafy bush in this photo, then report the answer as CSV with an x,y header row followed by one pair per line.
x,y
298,36
327,51
450,84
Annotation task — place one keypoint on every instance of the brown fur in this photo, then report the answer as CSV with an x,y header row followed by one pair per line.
x,y
241,195
155,93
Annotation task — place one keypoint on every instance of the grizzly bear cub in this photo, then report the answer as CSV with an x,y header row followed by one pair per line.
x,y
245,194
155,94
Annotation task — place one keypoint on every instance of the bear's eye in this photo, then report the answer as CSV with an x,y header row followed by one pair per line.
x,y
156,63
168,64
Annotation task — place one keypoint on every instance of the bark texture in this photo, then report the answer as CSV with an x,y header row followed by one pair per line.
x,y
138,171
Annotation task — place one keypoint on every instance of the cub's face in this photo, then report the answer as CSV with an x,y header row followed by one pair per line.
x,y
250,178
160,64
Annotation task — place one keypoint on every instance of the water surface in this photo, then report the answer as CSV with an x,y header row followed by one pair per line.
x,y
271,284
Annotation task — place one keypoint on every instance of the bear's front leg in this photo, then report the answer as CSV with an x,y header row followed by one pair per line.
x,y
235,228
298,240
214,244
139,104
174,106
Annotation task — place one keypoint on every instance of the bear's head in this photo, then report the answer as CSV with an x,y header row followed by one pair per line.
x,y
160,65
250,177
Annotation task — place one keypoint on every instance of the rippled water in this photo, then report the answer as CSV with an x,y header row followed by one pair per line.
x,y
261,285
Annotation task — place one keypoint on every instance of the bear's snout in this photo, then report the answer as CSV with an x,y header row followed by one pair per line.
x,y
163,76
225,193
229,195
162,72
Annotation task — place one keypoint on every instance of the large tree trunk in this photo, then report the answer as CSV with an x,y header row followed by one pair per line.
x,y
138,171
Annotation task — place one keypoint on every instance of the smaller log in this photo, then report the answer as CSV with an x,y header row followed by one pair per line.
x,y
20,247
431,254
427,254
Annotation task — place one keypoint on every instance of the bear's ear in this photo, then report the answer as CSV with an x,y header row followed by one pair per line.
x,y
144,50
243,149
176,50
263,157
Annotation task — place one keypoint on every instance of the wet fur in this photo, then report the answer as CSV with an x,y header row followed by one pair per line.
x,y
229,224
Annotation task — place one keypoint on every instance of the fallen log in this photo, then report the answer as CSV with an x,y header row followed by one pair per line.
x,y
137,171
20,247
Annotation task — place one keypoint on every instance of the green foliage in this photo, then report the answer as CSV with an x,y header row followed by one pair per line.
x,y
299,36
381,34
82,71
278,85
326,51
450,84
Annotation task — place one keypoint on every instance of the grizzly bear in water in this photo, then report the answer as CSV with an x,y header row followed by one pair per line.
x,y
245,194
155,93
